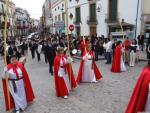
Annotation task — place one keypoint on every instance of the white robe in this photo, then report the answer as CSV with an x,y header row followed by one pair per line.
x,y
62,73
88,73
19,96
123,67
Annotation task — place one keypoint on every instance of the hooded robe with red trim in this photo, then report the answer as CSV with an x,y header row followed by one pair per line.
x,y
98,75
28,88
139,97
60,85
116,65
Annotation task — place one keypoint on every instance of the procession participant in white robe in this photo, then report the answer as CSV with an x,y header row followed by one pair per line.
x,y
19,86
123,66
88,71
63,74
118,64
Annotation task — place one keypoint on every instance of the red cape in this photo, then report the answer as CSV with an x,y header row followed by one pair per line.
x,y
28,88
139,97
126,44
83,45
61,88
116,65
96,70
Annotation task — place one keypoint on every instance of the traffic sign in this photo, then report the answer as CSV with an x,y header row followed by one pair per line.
x,y
71,27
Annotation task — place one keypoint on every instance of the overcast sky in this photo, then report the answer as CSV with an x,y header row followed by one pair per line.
x,y
34,7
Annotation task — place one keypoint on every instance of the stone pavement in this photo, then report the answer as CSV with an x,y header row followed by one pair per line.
x,y
109,95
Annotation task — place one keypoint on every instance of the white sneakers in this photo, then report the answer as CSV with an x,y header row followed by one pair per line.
x,y
65,97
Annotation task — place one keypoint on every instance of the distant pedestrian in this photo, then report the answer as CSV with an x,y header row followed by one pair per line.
x,y
114,46
133,49
148,48
44,50
38,49
50,53
32,49
126,45
108,48
141,40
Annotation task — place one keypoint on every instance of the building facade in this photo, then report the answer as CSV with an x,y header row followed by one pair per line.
x,y
22,22
11,19
145,25
47,16
58,16
34,25
101,17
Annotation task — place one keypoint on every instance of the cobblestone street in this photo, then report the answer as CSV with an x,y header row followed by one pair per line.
x,y
110,95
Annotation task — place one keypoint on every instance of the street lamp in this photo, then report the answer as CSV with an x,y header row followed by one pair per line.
x,y
137,14
98,9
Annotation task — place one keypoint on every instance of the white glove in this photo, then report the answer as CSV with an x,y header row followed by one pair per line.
x,y
5,73
85,58
69,60
89,56
60,75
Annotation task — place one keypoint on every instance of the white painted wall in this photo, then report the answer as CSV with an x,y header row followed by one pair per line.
x,y
126,9
84,11
58,6
102,25
48,20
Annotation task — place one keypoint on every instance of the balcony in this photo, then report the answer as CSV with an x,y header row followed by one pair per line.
x,y
108,20
111,20
92,22
2,25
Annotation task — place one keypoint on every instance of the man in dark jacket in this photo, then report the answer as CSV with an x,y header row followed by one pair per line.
x,y
44,50
32,48
148,48
141,40
50,53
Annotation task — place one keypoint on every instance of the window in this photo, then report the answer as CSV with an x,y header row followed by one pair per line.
x,y
93,12
112,10
78,16
58,17
55,18
63,16
3,8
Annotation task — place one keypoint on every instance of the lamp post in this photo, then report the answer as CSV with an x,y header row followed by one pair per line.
x,y
137,14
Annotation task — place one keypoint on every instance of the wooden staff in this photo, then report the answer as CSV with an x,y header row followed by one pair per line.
x,y
5,44
67,33
83,40
122,31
